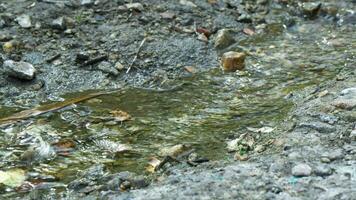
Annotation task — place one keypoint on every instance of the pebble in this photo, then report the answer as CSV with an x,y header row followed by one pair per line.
x,y
24,21
20,70
86,2
301,170
311,9
232,61
59,24
240,157
223,39
119,66
323,170
134,6
108,68
346,99
334,155
353,135
187,3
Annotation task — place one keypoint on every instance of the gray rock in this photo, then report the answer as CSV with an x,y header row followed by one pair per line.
x,y
301,170
24,21
2,23
20,70
334,155
59,23
346,99
323,170
223,39
353,135
86,2
311,9
134,6
108,68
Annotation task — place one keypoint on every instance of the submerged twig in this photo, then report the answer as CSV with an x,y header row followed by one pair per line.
x,y
47,108
136,55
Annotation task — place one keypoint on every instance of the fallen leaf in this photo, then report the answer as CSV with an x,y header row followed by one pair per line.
x,y
13,177
120,115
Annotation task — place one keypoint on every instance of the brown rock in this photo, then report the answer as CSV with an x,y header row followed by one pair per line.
x,y
232,61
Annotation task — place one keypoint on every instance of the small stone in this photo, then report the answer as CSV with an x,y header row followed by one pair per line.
x,y
24,21
108,68
301,170
259,148
86,2
223,39
59,24
325,160
8,47
346,99
167,15
20,70
187,3
135,6
311,9
353,135
174,151
119,66
240,157
334,155
232,61
323,170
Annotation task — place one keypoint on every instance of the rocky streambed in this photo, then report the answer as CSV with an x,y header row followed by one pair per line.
x,y
177,100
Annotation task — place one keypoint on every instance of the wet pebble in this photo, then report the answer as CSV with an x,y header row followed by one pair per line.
x,y
334,155
232,61
346,99
59,24
86,2
301,170
20,70
223,39
135,6
24,21
311,9
108,68
323,170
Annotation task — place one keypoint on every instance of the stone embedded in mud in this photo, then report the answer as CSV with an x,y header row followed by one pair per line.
x,y
24,21
323,170
20,70
59,24
301,170
107,67
311,9
223,39
135,6
87,2
346,99
232,61
174,150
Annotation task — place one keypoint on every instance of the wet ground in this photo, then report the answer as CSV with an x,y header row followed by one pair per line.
x,y
286,103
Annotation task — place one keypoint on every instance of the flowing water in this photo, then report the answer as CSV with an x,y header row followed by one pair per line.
x,y
209,109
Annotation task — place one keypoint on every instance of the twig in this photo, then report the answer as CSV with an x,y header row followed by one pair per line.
x,y
53,58
135,58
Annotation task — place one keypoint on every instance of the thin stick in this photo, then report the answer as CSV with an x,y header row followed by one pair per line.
x,y
135,58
